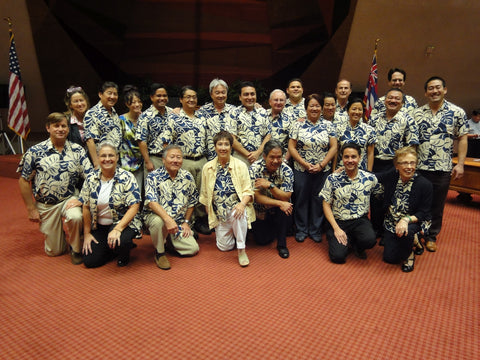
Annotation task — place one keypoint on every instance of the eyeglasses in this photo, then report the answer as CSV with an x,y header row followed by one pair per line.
x,y
407,163
190,97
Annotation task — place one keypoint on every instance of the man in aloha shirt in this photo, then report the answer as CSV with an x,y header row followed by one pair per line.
x,y
396,80
102,122
216,114
280,119
346,201
439,123
395,129
342,92
187,130
273,184
170,197
329,108
151,124
250,126
295,105
51,170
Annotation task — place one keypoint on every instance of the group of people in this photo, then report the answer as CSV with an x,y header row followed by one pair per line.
x,y
234,170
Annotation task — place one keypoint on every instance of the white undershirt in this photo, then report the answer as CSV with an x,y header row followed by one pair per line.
x,y
104,213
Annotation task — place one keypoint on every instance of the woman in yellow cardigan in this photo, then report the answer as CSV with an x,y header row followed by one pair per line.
x,y
227,194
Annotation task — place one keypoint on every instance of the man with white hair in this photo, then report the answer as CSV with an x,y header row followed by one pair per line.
x,y
216,113
279,117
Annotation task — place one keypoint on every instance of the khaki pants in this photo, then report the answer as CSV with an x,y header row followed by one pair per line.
x,y
53,220
156,161
195,168
158,233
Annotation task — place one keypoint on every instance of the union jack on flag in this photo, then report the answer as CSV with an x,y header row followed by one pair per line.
x,y
371,91
17,113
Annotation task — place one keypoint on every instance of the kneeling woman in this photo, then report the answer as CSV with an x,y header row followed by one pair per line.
x,y
408,196
228,196
111,199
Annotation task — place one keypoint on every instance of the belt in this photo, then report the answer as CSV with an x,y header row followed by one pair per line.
x,y
47,202
195,158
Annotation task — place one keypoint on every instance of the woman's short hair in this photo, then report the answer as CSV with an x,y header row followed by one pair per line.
x,y
313,97
223,135
403,152
354,101
106,143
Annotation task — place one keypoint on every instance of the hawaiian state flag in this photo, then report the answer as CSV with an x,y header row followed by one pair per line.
x,y
371,91
17,113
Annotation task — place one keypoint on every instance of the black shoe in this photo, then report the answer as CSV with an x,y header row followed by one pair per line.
x,y
361,254
317,239
300,238
381,242
409,264
283,252
202,228
123,262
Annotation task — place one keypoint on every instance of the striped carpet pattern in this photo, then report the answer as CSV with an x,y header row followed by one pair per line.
x,y
208,307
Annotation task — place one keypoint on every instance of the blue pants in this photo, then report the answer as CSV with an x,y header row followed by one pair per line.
x,y
308,209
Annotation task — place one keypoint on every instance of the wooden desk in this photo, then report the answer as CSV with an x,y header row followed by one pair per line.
x,y
470,182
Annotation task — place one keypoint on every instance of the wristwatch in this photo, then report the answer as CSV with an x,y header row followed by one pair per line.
x,y
272,185
187,221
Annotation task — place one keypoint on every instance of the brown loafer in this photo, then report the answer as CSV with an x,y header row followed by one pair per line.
x,y
76,258
162,261
431,246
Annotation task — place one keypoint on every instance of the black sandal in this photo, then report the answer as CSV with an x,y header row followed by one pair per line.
x,y
408,265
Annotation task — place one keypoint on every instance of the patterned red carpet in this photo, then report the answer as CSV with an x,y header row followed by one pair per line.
x,y
208,307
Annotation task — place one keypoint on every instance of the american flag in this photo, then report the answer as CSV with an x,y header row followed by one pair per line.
x,y
17,113
371,91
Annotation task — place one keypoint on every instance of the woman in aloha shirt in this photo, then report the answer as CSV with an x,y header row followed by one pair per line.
x,y
356,131
312,146
130,156
111,201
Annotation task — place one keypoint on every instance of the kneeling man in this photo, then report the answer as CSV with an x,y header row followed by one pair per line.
x,y
170,197
273,184
51,170
346,200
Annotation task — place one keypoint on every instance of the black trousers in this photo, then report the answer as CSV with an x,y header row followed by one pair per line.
x,y
101,252
274,226
360,234
440,181
397,249
377,203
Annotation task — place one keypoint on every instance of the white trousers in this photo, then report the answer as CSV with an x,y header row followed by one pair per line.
x,y
232,231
